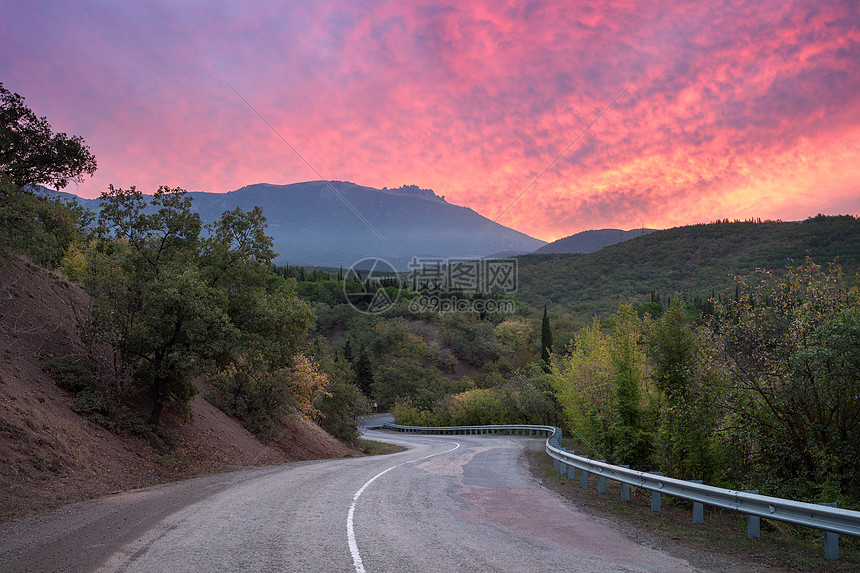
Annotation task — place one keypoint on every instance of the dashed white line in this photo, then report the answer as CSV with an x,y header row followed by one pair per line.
x,y
350,532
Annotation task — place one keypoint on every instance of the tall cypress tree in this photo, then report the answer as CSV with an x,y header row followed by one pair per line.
x,y
364,373
545,340
347,351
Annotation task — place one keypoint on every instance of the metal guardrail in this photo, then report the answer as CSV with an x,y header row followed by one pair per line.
x,y
553,433
832,520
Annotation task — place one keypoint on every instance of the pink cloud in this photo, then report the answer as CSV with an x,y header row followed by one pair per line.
x,y
733,109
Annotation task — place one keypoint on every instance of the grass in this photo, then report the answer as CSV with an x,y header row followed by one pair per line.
x,y
371,448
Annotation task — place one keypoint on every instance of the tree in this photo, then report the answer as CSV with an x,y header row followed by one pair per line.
x,y
790,348
680,356
31,154
630,439
363,372
582,380
39,228
545,340
178,305
164,315
347,350
340,407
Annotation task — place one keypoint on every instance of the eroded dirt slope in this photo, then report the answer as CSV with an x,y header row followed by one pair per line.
x,y
50,456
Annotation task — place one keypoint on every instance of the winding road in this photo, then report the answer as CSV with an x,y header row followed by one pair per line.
x,y
448,503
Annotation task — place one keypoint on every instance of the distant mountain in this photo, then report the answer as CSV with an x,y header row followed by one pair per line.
x,y
697,260
590,241
338,223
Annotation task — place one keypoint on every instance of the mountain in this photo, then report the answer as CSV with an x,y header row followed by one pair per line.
x,y
590,241
338,223
697,260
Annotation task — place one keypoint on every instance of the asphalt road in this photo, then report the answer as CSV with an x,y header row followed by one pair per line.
x,y
449,503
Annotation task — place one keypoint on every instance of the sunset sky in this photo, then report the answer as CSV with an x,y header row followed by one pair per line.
x,y
732,109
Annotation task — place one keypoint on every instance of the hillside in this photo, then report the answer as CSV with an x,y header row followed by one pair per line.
x,y
590,241
52,456
338,223
696,260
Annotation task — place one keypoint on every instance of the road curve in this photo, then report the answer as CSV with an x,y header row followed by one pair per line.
x,y
449,503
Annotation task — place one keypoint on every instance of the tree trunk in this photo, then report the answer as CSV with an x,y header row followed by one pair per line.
x,y
158,398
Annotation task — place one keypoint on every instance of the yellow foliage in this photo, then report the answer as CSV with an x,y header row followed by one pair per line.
x,y
307,383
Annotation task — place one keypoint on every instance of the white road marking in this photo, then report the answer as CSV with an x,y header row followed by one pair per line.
x,y
350,532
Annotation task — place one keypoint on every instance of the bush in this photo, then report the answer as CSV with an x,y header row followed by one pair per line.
x,y
340,408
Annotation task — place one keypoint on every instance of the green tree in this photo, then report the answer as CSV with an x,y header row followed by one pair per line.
x,y
347,350
582,380
689,413
180,324
177,304
790,347
261,372
163,314
363,372
630,436
545,340
341,406
39,228
30,153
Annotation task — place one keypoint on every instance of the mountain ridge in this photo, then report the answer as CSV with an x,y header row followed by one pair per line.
x,y
337,223
590,241
697,260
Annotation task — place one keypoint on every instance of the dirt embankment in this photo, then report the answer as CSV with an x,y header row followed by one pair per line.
x,y
51,456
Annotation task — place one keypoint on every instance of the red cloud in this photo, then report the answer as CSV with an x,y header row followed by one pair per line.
x,y
733,111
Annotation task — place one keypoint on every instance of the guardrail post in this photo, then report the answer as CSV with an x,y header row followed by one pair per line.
x,y
831,540
698,508
753,522
655,496
571,470
583,475
625,487
601,481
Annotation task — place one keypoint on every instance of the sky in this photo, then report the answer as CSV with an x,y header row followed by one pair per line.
x,y
550,117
